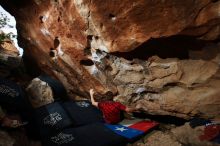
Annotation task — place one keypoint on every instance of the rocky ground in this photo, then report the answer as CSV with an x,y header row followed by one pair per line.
x,y
178,136
160,56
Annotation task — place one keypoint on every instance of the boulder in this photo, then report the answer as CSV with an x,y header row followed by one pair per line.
x,y
9,57
105,25
158,86
166,86
39,93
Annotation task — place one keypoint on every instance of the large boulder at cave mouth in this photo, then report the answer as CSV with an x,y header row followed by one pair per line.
x,y
112,26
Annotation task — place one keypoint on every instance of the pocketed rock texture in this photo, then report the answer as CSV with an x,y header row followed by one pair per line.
x,y
181,88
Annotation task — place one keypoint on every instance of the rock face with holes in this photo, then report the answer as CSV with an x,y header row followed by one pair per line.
x,y
182,88
124,25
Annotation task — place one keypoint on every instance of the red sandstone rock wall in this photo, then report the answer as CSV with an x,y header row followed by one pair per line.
x,y
85,25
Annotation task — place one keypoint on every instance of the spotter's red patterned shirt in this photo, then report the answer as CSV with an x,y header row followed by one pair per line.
x,y
111,111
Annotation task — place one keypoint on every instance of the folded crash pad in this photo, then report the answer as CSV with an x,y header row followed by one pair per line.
x,y
12,97
59,90
95,134
51,118
132,129
82,112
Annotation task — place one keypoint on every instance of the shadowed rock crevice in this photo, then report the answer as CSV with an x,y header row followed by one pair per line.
x,y
161,86
87,62
168,47
171,84
170,61
162,119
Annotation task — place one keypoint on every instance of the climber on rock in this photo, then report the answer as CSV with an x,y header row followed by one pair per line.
x,y
112,111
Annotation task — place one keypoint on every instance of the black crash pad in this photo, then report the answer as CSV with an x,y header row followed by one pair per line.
x,y
95,134
51,118
12,97
82,112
